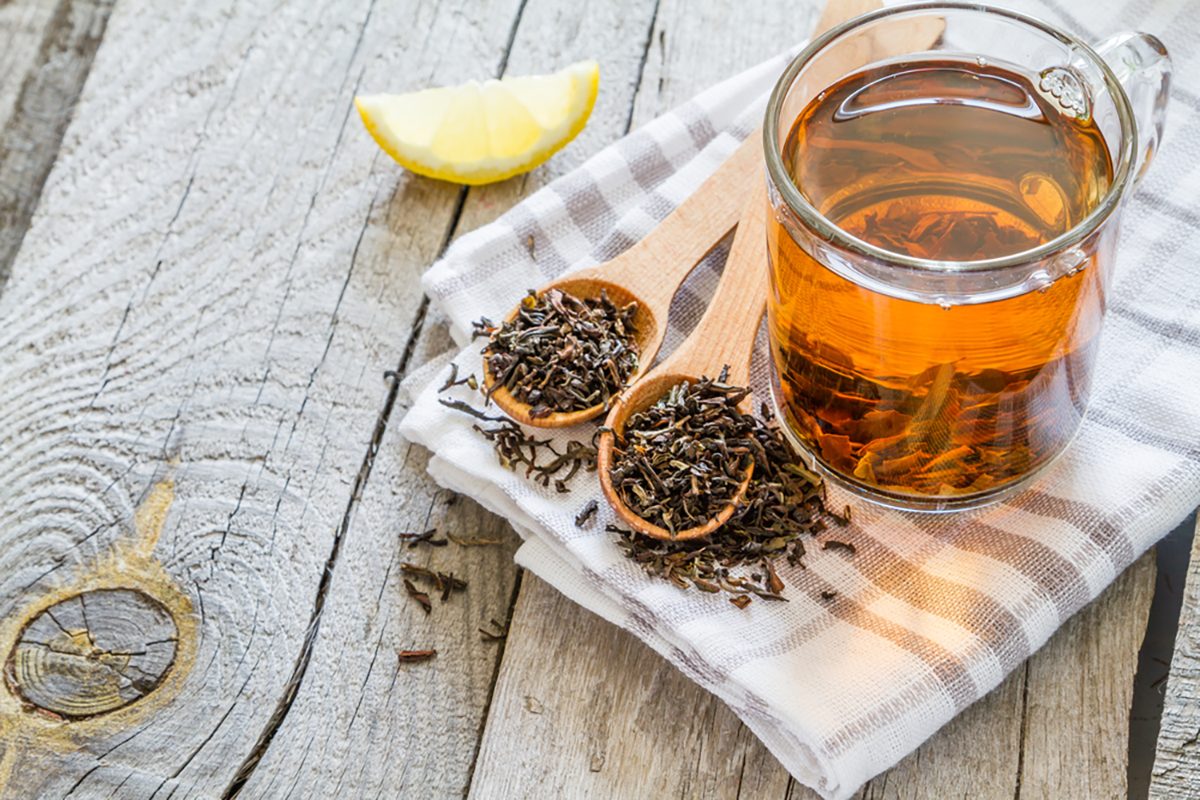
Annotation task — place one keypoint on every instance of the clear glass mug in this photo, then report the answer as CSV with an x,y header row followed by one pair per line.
x,y
943,383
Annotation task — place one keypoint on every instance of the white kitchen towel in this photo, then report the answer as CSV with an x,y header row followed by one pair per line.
x,y
932,611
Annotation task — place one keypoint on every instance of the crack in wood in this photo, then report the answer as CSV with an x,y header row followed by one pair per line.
x,y
30,141
305,656
246,769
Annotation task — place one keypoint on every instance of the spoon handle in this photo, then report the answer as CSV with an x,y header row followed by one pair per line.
x,y
726,332
653,268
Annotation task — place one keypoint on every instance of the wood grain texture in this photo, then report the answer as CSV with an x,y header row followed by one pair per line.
x,y
1176,773
22,26
1079,691
46,50
93,653
190,298
567,654
361,725
584,709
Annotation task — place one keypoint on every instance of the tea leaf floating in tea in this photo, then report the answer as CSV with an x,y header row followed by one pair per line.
x,y
561,353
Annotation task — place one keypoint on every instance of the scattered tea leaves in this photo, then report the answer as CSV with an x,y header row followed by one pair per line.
x,y
453,380
443,582
413,656
586,513
427,537
515,448
479,542
774,583
467,408
834,544
416,594
493,632
828,595
562,353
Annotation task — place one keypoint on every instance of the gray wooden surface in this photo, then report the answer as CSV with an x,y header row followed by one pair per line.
x,y
1176,770
212,266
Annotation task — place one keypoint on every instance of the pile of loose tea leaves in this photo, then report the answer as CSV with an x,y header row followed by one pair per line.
x,y
680,461
782,504
562,353
515,448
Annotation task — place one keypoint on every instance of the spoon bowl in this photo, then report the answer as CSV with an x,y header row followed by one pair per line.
x,y
640,397
650,328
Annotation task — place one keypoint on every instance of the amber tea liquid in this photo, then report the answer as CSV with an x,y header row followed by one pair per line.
x,y
955,161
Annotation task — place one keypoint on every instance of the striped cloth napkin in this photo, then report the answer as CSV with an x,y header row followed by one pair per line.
x,y
933,611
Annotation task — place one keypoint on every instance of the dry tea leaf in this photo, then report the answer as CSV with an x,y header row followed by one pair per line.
x,y
562,353
416,594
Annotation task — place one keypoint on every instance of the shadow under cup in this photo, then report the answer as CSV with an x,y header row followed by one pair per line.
x,y
945,182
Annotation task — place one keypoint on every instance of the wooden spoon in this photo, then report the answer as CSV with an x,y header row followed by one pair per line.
x,y
726,333
650,272
724,337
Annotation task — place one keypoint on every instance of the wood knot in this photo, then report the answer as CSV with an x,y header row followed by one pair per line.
x,y
92,653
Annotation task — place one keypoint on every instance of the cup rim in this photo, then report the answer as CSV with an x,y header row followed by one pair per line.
x,y
828,230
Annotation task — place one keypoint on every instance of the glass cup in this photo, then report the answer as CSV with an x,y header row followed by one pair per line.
x,y
943,382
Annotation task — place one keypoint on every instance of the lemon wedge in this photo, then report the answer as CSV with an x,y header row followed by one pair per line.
x,y
483,132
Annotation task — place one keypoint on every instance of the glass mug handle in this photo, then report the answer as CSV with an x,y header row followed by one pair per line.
x,y
1141,64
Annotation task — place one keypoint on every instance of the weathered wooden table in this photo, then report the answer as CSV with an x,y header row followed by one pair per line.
x,y
209,269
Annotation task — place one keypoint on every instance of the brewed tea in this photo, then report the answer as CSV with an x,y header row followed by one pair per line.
x,y
952,161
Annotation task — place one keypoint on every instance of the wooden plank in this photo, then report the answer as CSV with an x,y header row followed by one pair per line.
x,y
22,27
205,303
361,724
584,709
601,682
1176,773
46,50
1079,691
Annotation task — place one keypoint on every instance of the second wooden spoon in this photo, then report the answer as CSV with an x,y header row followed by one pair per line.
x,y
724,338
650,271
